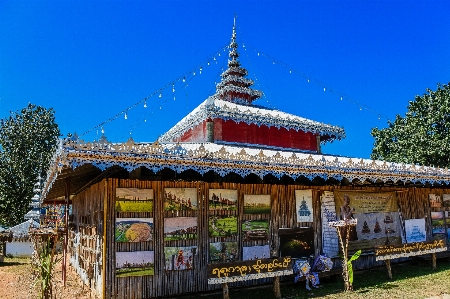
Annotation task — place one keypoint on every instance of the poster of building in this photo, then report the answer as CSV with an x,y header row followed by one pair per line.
x,y
222,199
134,200
220,252
435,200
176,199
180,258
136,263
180,228
304,206
257,204
133,230
255,252
378,221
415,230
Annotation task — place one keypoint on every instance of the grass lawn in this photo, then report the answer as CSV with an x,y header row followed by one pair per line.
x,y
415,279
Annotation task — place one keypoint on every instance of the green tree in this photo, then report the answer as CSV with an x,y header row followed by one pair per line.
x,y
421,136
27,142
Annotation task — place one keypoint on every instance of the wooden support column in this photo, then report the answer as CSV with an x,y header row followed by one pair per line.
x,y
66,230
388,267
276,287
433,260
226,294
319,150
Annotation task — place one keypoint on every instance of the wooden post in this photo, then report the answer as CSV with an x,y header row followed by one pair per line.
x,y
226,294
388,267
276,287
433,260
66,230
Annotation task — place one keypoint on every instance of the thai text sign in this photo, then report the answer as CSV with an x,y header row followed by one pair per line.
x,y
246,270
409,249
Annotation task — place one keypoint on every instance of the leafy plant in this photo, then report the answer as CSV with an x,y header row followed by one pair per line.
x,y
355,256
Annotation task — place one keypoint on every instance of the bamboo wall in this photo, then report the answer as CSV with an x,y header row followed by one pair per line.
x,y
94,218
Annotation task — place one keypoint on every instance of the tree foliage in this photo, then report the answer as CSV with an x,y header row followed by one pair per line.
x,y
27,141
422,136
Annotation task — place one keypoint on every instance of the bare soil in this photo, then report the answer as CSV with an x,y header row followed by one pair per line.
x,y
17,281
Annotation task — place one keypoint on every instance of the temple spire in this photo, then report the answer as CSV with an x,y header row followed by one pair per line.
x,y
234,87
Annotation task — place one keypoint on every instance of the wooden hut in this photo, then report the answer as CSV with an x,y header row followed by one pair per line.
x,y
230,182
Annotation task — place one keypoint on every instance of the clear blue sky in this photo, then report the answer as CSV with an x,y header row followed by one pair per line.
x,y
92,60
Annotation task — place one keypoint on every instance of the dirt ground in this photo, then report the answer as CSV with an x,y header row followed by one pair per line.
x,y
16,282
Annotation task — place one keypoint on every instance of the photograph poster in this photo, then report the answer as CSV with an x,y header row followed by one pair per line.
x,y
256,252
134,200
136,263
223,226
133,230
180,258
221,252
223,199
304,205
180,228
177,199
257,204
415,230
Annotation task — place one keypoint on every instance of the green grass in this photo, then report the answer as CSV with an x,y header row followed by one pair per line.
x,y
415,280
134,272
134,206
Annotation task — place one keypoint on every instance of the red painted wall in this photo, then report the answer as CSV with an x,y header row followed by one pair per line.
x,y
230,131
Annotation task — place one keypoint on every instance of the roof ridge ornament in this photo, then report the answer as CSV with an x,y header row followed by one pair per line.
x,y
234,87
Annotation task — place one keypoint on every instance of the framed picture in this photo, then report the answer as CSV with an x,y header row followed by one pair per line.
x,y
180,258
304,206
257,204
446,200
180,199
221,252
435,200
136,263
134,200
222,199
180,228
223,226
415,230
255,252
255,230
133,230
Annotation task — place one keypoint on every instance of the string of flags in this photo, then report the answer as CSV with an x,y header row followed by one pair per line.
x,y
160,97
342,96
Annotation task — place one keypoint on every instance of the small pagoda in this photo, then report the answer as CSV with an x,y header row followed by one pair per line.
x,y
230,117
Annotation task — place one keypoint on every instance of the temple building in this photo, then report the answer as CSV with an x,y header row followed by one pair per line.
x,y
146,220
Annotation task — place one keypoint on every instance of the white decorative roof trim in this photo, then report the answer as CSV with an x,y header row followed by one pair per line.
x,y
231,79
204,157
232,70
216,108
239,89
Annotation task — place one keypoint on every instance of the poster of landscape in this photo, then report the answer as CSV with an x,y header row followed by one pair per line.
x,y
222,199
180,258
256,252
177,199
255,230
303,205
133,229
134,200
223,226
137,263
437,218
221,252
257,204
180,228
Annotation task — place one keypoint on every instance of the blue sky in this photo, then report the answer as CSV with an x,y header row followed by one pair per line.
x,y
92,61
